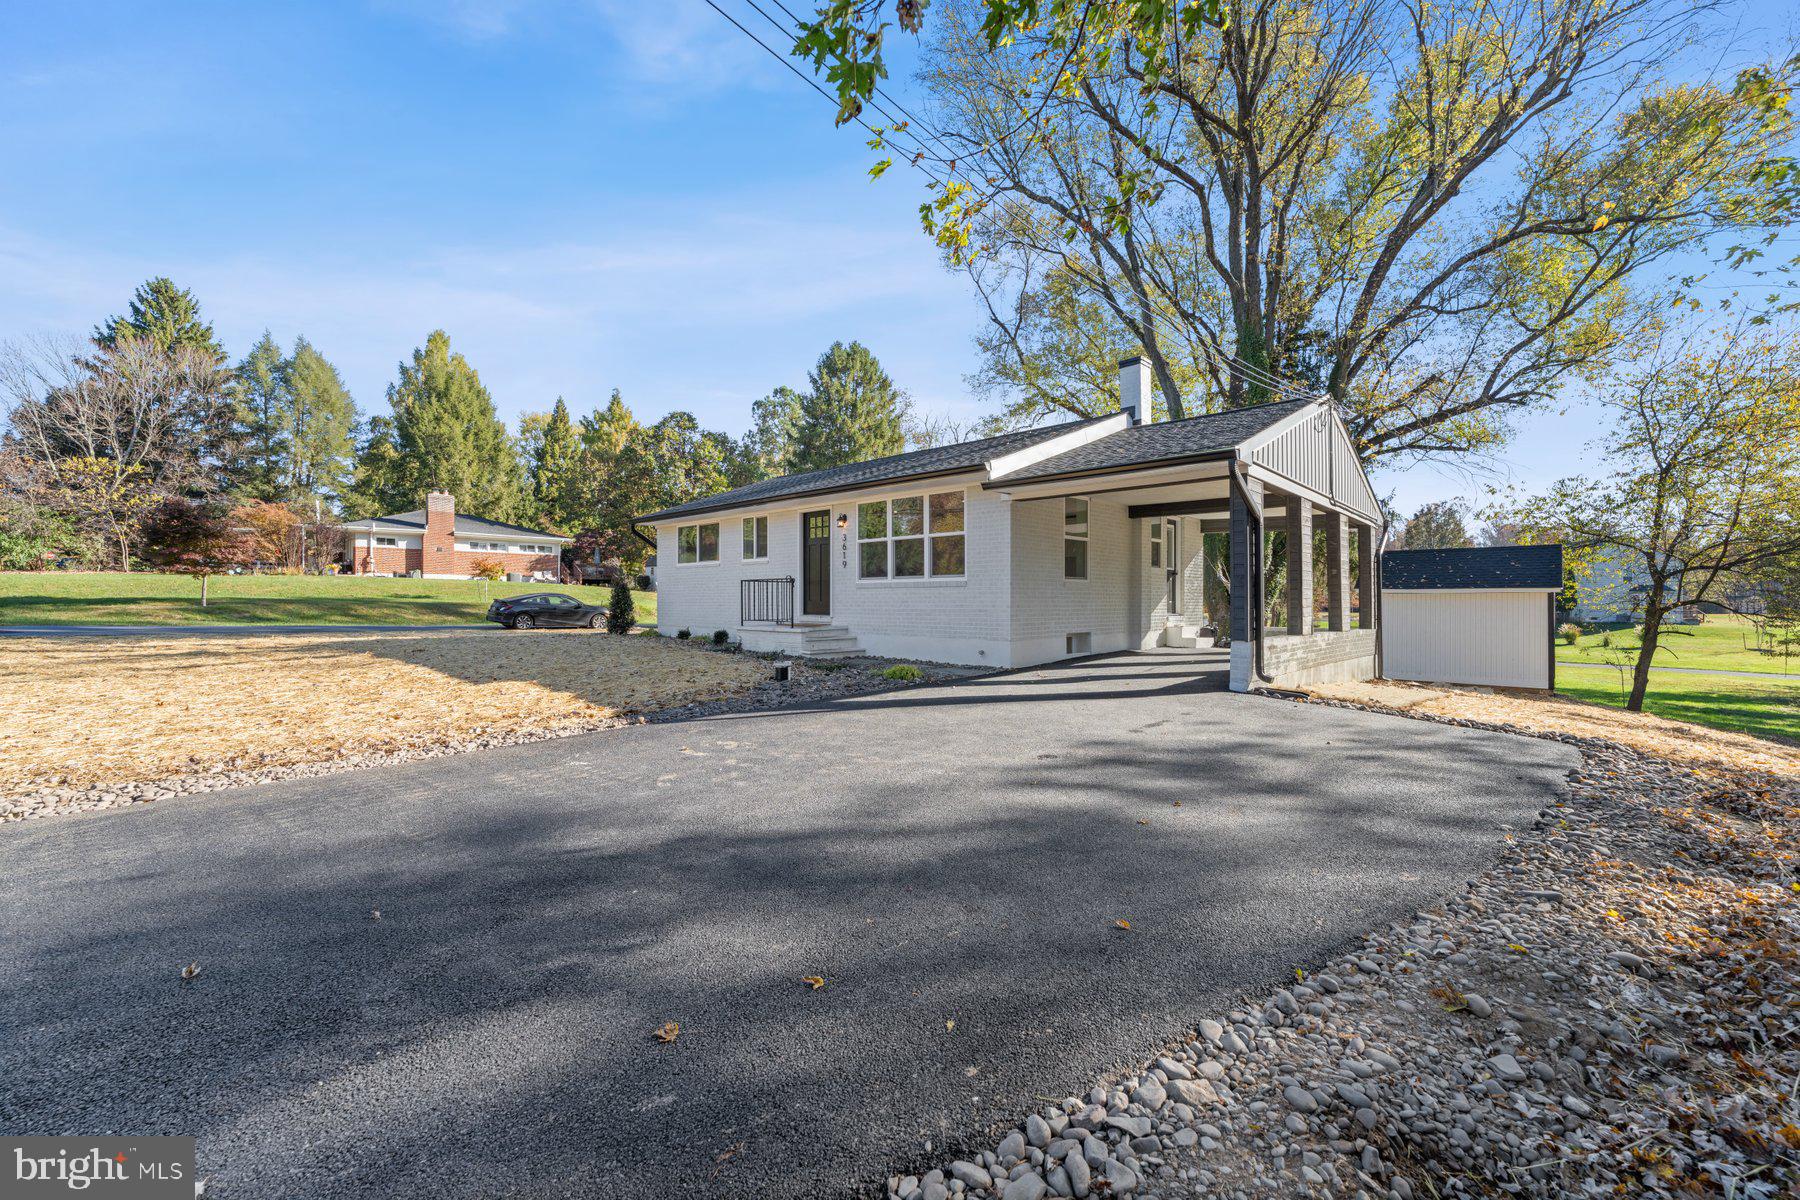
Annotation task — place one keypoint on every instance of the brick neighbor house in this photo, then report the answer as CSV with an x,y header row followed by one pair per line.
x,y
438,542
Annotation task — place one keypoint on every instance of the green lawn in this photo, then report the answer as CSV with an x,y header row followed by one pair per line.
x,y
1719,643
1767,709
146,598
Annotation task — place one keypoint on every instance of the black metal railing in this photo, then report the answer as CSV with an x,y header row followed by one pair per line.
x,y
766,600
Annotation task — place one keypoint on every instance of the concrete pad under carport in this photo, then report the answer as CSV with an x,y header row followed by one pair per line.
x,y
945,854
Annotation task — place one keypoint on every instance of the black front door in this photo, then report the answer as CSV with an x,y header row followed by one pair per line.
x,y
815,563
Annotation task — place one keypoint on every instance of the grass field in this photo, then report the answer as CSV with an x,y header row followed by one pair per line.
x,y
1717,644
92,710
1767,709
146,598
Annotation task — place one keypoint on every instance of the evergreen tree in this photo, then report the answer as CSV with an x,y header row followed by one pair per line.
x,y
852,413
378,477
620,614
320,427
262,399
164,314
667,463
556,472
448,437
768,449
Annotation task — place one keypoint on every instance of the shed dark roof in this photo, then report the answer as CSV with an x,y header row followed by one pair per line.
x,y
464,524
938,460
1161,441
1474,567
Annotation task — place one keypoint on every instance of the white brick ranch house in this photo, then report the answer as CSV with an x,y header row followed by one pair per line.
x,y
1042,544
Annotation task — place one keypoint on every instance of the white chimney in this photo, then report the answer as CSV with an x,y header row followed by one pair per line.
x,y
1134,388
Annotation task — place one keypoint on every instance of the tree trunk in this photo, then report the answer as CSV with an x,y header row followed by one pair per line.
x,y
1640,672
203,580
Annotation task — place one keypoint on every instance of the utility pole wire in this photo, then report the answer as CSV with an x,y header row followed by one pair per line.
x,y
1159,320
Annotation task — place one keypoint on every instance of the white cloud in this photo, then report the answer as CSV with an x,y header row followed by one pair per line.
x,y
705,313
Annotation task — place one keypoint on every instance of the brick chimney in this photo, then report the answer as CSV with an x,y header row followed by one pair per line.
x,y
440,533
1135,388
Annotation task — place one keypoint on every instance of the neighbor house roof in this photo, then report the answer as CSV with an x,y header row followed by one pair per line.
x,y
917,464
1216,434
465,524
1476,567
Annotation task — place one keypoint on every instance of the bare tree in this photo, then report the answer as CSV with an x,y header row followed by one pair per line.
x,y
160,411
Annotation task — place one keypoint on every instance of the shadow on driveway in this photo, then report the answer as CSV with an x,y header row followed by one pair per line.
x,y
951,860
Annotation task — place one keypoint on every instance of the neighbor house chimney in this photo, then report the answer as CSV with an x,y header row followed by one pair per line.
x,y
1134,388
440,532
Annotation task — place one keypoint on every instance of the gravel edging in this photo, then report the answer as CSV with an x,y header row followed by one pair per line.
x,y
809,682
1612,1009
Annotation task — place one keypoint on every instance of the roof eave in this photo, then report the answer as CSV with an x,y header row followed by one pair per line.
x,y
775,501
1016,481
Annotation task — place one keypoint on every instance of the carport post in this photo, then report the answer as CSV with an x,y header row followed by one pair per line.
x,y
1337,569
1299,565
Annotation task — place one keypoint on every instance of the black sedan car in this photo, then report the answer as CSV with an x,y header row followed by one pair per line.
x,y
546,610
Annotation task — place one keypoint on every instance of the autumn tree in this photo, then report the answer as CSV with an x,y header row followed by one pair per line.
x,y
1436,214
198,538
1703,479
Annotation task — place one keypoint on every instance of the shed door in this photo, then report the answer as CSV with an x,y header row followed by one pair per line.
x,y
1495,639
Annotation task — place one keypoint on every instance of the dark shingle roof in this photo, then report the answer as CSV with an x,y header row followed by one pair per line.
x,y
464,524
938,460
1161,441
1473,567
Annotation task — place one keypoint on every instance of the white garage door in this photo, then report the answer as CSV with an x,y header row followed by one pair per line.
x,y
1496,638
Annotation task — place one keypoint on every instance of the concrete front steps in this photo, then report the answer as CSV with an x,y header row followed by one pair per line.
x,y
1179,633
828,641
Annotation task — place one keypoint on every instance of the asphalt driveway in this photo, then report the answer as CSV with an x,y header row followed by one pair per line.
x,y
951,860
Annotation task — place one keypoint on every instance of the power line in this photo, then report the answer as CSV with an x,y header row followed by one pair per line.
x,y
1257,376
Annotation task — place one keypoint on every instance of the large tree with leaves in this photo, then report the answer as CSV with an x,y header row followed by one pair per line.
x,y
555,471
851,412
1703,486
444,435
1436,213
320,425
262,398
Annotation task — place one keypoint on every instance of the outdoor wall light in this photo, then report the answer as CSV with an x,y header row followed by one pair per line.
x,y
843,520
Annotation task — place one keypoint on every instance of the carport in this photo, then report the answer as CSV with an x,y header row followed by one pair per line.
x,y
1248,473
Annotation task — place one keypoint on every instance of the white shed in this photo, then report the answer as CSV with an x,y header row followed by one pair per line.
x,y
1484,615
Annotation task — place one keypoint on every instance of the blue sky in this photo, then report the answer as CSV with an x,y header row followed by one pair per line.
x,y
586,194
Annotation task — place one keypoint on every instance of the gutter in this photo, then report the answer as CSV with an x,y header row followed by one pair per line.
x,y
1255,602
641,536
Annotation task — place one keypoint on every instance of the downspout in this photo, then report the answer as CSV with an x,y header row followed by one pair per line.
x,y
1253,560
641,536
1375,600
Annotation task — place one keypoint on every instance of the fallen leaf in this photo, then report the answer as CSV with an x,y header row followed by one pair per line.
x,y
669,1031
950,1024
813,981
1122,923
190,971
374,914
1143,822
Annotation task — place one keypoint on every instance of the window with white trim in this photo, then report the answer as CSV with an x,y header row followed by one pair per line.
x,y
756,538
1156,543
697,543
387,541
912,537
1075,537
